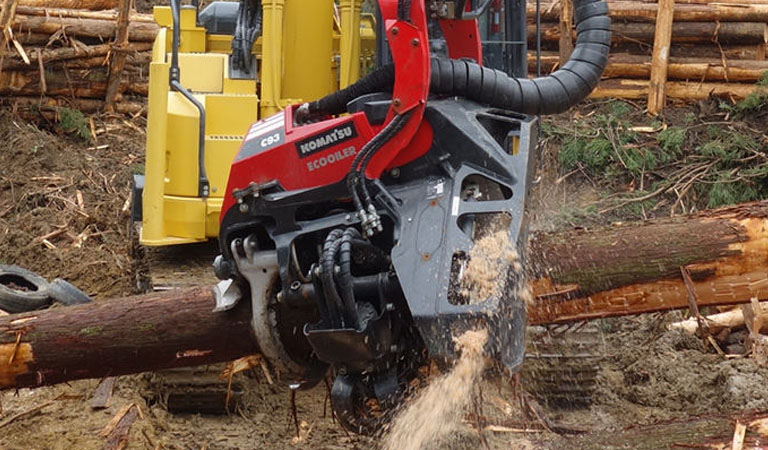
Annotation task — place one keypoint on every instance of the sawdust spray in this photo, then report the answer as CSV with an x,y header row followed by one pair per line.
x,y
438,410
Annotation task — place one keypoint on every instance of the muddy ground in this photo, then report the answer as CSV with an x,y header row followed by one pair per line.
x,y
64,213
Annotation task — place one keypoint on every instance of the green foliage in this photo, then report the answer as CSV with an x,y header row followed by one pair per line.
x,y
671,140
751,103
73,121
763,81
726,191
577,214
592,154
709,164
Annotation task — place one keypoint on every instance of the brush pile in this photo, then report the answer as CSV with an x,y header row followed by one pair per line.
x,y
711,47
88,54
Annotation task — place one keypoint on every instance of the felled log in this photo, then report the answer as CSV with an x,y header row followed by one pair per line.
x,y
71,4
137,53
119,50
657,95
630,269
682,32
727,319
623,65
102,29
80,14
128,335
88,82
575,275
47,106
646,12
691,90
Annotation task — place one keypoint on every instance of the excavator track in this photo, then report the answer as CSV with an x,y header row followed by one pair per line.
x,y
200,389
561,368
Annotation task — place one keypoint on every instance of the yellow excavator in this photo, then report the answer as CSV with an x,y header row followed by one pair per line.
x,y
216,71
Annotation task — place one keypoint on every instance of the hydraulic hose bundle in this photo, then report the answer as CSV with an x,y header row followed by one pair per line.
x,y
550,94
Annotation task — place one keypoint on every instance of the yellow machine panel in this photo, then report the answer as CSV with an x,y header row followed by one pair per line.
x,y
306,50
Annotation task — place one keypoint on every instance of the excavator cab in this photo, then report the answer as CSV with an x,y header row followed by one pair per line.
x,y
214,72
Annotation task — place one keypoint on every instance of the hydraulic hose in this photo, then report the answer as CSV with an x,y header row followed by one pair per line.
x,y
549,94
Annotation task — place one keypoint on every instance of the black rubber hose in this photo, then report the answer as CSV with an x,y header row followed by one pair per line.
x,y
332,299
345,276
550,94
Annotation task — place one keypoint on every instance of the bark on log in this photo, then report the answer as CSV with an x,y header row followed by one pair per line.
x,y
638,89
563,26
682,32
46,105
74,13
122,336
88,82
660,57
616,270
119,52
646,12
102,29
695,69
575,275
71,4
137,53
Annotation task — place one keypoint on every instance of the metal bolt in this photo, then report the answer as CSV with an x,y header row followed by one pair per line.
x,y
279,297
415,42
395,172
348,217
389,307
394,31
295,285
243,208
396,102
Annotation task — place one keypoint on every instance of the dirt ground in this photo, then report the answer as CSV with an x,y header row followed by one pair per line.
x,y
64,213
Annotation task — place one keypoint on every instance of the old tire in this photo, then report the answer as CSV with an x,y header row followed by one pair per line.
x,y
63,292
22,290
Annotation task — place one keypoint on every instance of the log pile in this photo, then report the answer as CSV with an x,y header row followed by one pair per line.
x,y
683,49
88,54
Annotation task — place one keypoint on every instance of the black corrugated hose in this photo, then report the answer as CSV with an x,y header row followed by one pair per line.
x,y
550,94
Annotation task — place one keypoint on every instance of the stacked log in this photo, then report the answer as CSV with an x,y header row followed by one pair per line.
x,y
86,53
715,48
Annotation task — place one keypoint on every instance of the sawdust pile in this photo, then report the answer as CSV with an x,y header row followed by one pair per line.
x,y
490,261
437,411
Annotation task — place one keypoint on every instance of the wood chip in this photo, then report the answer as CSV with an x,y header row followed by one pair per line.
x,y
109,427
117,439
103,393
738,436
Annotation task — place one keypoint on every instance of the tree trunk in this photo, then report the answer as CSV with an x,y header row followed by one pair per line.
x,y
138,53
47,106
103,29
646,12
623,65
127,335
118,54
71,4
76,13
657,95
574,275
682,32
630,269
638,89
